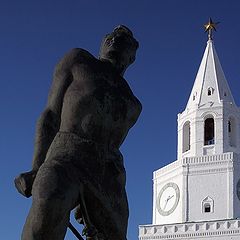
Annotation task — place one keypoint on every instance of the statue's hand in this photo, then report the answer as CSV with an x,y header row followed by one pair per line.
x,y
24,183
78,215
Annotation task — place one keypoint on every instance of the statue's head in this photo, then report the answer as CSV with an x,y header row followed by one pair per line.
x,y
119,48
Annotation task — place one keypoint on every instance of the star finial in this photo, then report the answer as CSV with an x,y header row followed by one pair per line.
x,y
209,27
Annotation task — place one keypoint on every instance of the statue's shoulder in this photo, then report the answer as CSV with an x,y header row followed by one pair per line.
x,y
75,55
78,54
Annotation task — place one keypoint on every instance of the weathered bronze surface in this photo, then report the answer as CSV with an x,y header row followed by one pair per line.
x,y
77,162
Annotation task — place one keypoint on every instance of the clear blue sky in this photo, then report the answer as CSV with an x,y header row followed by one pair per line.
x,y
34,35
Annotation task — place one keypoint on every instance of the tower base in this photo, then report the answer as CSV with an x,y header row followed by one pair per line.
x,y
207,230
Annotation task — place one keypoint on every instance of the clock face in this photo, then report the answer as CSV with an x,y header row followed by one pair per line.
x,y
238,189
168,199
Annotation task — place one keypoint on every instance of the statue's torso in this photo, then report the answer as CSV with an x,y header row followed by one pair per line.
x,y
98,105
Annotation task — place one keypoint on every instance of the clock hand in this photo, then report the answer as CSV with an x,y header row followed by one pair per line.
x,y
165,204
166,201
169,197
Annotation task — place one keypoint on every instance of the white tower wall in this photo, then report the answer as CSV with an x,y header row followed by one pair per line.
x,y
198,195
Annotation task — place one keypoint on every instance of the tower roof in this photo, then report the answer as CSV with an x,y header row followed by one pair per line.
x,y
210,86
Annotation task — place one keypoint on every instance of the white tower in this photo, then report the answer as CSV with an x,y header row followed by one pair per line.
x,y
198,195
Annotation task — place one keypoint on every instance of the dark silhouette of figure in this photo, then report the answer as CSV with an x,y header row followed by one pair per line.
x,y
77,162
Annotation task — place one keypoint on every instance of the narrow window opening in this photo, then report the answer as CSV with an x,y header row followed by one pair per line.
x,y
186,136
209,131
194,96
229,127
210,91
207,208
232,137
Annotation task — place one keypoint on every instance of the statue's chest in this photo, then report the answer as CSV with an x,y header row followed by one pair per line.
x,y
117,102
110,93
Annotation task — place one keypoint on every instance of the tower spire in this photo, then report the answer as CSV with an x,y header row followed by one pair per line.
x,y
209,27
210,84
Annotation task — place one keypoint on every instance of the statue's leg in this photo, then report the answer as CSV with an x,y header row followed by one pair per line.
x,y
55,194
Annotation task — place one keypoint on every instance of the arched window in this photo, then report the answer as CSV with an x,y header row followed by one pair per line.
x,y
232,132
210,91
207,205
209,131
186,136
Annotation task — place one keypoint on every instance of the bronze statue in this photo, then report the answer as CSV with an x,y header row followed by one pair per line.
x,y
77,162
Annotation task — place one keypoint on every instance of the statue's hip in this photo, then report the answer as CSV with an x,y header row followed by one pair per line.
x,y
88,158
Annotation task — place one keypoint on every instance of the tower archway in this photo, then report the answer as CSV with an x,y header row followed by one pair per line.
x,y
209,136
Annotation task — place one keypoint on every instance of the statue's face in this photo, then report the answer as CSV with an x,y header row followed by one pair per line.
x,y
119,48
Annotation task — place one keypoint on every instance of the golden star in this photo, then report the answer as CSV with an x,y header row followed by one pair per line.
x,y
210,25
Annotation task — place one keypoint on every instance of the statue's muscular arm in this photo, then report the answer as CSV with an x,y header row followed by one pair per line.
x,y
49,121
